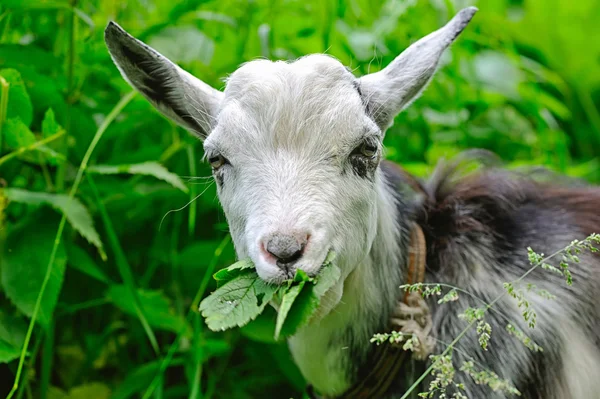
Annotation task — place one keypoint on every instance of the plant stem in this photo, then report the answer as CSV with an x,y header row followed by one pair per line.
x,y
107,121
192,311
47,354
472,323
31,147
62,167
123,266
193,189
4,86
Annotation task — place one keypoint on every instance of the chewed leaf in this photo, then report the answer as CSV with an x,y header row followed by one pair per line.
x,y
237,302
242,296
327,277
304,306
286,304
229,273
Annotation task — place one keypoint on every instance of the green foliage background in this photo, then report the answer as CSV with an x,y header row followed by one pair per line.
x,y
118,316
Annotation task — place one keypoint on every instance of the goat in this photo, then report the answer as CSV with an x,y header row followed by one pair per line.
x,y
296,151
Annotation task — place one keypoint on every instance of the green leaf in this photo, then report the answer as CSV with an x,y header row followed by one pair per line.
x,y
17,134
155,305
79,259
75,212
237,302
8,352
328,276
94,390
19,103
49,125
234,303
147,168
227,274
139,379
288,300
304,306
36,4
262,329
25,260
307,300
12,336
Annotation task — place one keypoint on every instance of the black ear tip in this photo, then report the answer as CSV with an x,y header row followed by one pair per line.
x,y
112,29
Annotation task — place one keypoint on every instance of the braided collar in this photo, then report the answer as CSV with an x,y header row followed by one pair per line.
x,y
411,316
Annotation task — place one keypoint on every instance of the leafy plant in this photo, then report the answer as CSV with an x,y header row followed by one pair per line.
x,y
88,171
242,296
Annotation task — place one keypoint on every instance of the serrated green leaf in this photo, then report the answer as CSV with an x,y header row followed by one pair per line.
x,y
49,125
8,352
305,305
156,307
75,212
17,134
146,168
328,276
12,336
237,302
19,103
25,260
229,273
286,304
82,261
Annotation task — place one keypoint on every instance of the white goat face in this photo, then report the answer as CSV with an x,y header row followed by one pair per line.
x,y
295,157
295,147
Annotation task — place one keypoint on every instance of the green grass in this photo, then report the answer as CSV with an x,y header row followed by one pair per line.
x,y
520,81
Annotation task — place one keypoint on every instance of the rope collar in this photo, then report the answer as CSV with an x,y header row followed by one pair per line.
x,y
412,318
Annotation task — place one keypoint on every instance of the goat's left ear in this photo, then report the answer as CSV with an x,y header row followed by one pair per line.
x,y
177,94
392,89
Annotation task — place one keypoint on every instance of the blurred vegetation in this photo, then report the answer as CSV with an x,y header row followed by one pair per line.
x,y
117,318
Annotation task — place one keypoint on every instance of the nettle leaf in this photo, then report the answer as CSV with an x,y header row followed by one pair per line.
x,y
75,212
17,134
25,261
156,307
308,299
286,304
236,303
19,103
49,124
146,168
227,274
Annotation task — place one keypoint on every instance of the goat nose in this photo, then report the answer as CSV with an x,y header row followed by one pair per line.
x,y
286,248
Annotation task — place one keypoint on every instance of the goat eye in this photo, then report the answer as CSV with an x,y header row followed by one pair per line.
x,y
217,161
368,149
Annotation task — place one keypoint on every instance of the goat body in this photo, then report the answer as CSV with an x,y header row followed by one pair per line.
x,y
296,151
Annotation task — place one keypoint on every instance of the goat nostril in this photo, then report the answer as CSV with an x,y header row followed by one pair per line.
x,y
285,248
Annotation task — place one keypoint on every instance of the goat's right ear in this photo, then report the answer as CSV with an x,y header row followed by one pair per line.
x,y
180,96
392,89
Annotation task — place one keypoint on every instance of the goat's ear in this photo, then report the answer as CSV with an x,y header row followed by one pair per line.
x,y
177,94
392,89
